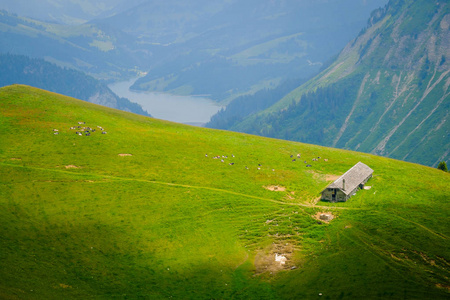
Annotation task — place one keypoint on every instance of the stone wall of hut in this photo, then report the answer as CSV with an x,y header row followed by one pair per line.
x,y
327,195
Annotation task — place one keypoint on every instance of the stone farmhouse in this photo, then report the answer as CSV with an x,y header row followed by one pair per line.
x,y
348,184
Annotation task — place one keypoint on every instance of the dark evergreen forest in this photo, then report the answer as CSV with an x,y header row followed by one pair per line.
x,y
247,105
19,69
322,112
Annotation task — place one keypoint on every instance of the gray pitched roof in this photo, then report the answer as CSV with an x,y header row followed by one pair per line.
x,y
353,177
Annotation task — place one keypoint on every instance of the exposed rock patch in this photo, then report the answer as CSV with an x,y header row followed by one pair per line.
x,y
324,216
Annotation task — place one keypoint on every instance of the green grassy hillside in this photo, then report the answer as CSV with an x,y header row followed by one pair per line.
x,y
142,212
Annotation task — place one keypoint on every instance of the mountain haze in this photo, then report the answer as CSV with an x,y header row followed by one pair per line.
x,y
18,69
386,93
222,49
100,51
227,48
66,11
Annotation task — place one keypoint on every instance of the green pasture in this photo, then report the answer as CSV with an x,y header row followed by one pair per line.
x,y
167,220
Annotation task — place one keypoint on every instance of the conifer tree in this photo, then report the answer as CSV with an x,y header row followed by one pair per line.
x,y
442,166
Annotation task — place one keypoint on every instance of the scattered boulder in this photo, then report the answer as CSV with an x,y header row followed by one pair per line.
x,y
324,216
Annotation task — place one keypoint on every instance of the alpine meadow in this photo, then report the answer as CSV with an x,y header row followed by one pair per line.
x,y
323,174
140,208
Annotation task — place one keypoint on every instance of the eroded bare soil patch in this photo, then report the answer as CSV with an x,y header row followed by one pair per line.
x,y
72,167
274,258
275,188
328,177
331,177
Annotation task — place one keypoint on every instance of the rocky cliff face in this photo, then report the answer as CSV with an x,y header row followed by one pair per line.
x,y
387,92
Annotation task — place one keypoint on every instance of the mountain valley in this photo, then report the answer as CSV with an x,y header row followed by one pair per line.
x,y
386,93
99,200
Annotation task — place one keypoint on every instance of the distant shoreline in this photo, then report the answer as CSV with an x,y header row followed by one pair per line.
x,y
193,110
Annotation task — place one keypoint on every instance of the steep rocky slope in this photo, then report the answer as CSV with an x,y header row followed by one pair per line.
x,y
387,93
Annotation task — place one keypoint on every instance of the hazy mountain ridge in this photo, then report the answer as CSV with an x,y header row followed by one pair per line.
x,y
397,70
100,51
222,49
66,11
244,46
18,69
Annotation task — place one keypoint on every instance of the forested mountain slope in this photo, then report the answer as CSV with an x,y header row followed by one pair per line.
x,y
222,49
387,93
100,51
227,48
19,69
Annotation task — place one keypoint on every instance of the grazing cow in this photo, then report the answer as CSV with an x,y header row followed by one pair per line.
x,y
308,166
55,132
298,155
294,159
104,132
292,156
